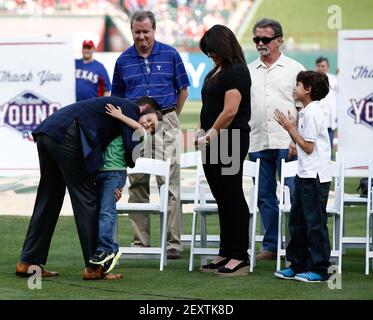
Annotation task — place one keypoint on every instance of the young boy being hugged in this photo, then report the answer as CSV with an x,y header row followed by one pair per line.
x,y
113,176
309,249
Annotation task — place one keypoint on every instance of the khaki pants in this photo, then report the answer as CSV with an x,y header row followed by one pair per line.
x,y
163,145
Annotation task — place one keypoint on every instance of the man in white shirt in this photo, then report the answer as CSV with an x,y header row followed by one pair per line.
x,y
329,103
273,78
308,250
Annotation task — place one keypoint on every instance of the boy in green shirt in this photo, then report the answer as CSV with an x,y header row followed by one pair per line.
x,y
113,175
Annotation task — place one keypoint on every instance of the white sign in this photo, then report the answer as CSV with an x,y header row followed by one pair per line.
x,y
355,99
37,77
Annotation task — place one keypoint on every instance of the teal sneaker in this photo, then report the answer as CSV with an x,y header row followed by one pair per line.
x,y
309,277
287,273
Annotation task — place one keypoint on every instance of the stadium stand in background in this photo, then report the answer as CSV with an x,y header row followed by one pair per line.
x,y
51,7
181,23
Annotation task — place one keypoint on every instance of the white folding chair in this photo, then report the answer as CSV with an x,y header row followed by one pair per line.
x,y
251,169
336,211
290,169
190,160
369,236
201,207
158,168
355,165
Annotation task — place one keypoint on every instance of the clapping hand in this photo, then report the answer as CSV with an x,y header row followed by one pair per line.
x,y
115,112
287,122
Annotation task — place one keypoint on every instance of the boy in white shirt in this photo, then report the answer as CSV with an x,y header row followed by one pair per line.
x,y
309,249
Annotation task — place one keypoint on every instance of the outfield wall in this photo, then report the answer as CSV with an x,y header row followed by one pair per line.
x,y
196,62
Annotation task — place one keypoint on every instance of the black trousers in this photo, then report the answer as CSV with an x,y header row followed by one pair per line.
x,y
228,192
61,165
309,246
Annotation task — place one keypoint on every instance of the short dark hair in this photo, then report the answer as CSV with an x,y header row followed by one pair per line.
x,y
148,100
141,16
154,106
317,81
266,22
322,59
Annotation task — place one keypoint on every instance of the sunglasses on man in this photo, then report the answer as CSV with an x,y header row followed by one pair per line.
x,y
265,40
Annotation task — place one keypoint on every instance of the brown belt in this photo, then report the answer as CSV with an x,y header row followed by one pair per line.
x,y
168,110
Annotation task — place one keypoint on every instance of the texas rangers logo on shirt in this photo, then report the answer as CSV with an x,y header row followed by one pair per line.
x,y
362,110
86,75
25,112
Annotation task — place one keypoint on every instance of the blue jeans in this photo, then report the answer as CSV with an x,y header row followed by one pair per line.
x,y
270,162
107,182
309,247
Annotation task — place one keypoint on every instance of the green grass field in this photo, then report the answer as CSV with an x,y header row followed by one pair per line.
x,y
307,21
190,115
143,280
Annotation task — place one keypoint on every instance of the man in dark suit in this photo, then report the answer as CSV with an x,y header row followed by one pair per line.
x,y
70,146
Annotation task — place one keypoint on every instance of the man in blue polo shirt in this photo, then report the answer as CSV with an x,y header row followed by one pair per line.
x,y
151,68
91,76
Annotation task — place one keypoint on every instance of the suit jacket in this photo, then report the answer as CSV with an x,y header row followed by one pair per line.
x,y
97,129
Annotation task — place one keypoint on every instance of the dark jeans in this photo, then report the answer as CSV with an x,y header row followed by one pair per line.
x,y
270,162
309,247
233,209
61,165
107,182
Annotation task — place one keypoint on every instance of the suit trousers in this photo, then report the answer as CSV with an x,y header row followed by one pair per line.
x,y
61,166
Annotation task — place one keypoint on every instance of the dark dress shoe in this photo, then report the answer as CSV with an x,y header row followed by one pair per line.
x,y
241,269
24,269
173,254
212,267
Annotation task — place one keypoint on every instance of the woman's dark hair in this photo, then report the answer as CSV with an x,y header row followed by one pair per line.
x,y
317,81
221,41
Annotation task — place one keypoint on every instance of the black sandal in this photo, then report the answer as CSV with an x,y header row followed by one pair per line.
x,y
242,269
212,267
